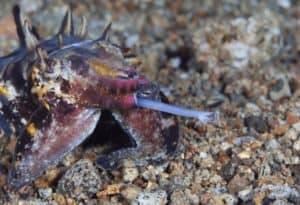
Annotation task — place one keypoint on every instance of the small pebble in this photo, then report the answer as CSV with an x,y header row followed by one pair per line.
x,y
237,183
239,53
221,199
280,157
152,172
295,171
178,197
81,181
272,144
129,170
150,197
45,193
265,170
59,199
229,199
292,118
215,100
228,170
130,192
246,194
244,154
256,122
296,146
280,89
130,174
296,126
175,168
109,190
291,134
252,109
175,62
193,197
243,139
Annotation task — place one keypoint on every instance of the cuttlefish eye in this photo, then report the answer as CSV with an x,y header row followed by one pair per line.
x,y
148,91
48,67
53,69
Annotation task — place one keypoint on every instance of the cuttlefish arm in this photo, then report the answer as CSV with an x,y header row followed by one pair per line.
x,y
45,141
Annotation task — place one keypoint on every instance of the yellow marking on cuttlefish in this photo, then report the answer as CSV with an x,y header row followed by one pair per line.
x,y
46,105
31,129
104,70
40,91
4,91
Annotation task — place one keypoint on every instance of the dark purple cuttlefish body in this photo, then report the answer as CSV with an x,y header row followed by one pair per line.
x,y
53,92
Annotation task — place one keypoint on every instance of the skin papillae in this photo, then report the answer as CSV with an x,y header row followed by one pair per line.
x,y
53,93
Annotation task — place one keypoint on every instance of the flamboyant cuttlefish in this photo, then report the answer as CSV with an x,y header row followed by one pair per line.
x,y
53,92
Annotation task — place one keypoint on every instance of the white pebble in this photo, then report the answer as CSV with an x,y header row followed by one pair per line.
x,y
150,197
45,193
130,174
296,145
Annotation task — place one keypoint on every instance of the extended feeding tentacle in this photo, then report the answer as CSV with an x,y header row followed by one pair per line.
x,y
203,117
